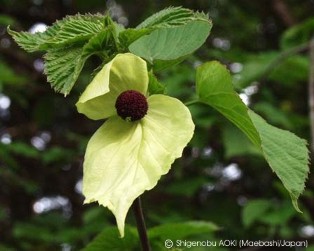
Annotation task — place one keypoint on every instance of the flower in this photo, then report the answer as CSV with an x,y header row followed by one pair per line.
x,y
139,141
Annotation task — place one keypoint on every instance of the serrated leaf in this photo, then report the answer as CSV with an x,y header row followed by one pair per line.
x,y
172,16
286,154
69,30
177,33
63,66
102,44
128,36
172,43
33,42
77,29
69,43
214,87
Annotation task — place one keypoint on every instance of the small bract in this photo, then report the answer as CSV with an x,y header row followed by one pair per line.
x,y
139,141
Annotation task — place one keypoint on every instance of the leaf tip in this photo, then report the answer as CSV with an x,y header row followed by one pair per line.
x,y
294,200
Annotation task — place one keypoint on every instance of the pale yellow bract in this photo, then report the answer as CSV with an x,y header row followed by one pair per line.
x,y
123,159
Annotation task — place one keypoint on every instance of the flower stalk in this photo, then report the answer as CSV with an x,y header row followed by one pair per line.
x,y
140,222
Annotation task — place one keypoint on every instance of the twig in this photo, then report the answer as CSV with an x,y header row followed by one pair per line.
x,y
282,9
283,56
140,222
311,93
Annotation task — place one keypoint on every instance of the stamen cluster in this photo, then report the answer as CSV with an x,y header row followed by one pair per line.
x,y
131,105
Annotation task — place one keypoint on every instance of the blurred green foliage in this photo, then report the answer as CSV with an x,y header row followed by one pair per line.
x,y
220,179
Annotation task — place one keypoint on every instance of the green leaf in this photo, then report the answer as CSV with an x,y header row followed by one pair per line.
x,y
71,29
175,32
214,87
175,231
109,240
170,17
63,66
128,36
286,154
102,44
298,34
34,42
154,86
255,210
167,17
172,43
64,42
163,64
77,29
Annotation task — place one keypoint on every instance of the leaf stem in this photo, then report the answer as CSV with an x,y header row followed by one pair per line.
x,y
140,222
192,102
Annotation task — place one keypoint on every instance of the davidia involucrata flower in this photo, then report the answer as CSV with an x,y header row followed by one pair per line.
x,y
139,141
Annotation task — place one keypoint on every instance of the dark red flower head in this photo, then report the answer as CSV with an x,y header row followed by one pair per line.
x,y
131,105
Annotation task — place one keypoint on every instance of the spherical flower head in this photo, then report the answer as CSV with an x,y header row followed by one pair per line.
x,y
140,139
131,105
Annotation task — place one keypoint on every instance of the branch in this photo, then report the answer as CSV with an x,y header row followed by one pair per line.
x,y
283,56
311,93
140,222
283,12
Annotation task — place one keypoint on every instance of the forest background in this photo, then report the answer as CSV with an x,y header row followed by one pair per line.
x,y
221,179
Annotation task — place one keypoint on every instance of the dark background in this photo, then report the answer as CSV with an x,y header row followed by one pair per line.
x,y
43,138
